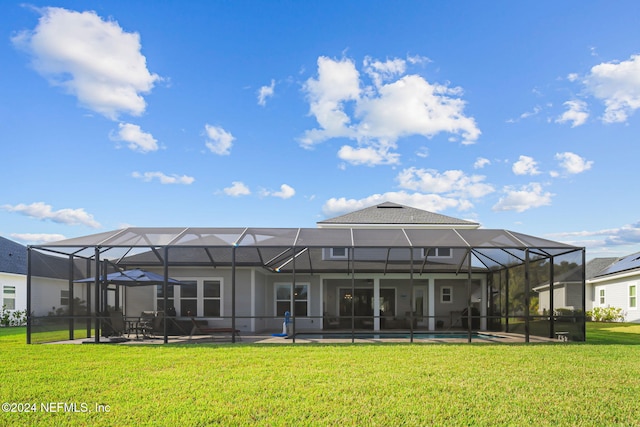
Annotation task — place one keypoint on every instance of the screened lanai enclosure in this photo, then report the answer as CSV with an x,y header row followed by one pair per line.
x,y
404,281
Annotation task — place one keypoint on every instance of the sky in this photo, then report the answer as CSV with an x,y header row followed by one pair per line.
x,y
516,115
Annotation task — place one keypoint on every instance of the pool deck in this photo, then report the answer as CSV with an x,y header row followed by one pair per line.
x,y
319,338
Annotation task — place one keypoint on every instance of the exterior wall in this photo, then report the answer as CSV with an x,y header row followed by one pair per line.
x,y
19,282
617,295
450,312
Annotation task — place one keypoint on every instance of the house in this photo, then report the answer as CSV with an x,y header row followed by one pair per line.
x,y
50,272
615,283
382,268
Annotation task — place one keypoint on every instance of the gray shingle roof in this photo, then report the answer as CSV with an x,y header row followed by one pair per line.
x,y
393,213
13,257
596,265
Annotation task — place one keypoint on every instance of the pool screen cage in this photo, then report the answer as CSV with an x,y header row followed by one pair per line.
x,y
530,286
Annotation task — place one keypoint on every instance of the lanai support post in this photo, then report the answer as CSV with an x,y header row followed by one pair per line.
x,y
411,307
584,296
165,299
527,287
353,294
552,308
88,290
506,300
469,313
71,297
29,319
96,314
293,295
233,294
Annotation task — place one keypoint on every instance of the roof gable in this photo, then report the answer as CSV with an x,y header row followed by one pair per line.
x,y
395,214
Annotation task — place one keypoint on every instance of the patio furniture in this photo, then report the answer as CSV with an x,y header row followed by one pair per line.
x,y
331,322
115,325
204,329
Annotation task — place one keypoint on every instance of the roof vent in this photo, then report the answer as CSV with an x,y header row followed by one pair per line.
x,y
389,205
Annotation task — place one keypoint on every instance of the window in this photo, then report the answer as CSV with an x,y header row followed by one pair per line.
x,y
436,252
189,298
446,294
160,298
9,297
602,297
64,297
338,252
211,298
633,300
285,297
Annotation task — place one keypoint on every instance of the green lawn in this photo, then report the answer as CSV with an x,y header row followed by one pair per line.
x,y
575,384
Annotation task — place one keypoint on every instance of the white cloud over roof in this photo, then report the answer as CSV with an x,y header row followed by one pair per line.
x,y
576,114
92,59
43,211
378,115
523,198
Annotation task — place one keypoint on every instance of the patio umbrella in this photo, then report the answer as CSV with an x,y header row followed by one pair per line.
x,y
135,277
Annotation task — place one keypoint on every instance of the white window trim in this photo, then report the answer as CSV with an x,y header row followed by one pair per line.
x,y
333,256
292,300
177,296
635,307
442,288
5,299
425,251
602,296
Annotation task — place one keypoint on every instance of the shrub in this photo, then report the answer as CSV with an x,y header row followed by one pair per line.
x,y
606,314
12,317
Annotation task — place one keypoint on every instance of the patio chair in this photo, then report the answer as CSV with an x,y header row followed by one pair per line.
x,y
204,329
331,322
117,323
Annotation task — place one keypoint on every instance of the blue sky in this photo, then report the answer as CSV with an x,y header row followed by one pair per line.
x,y
517,115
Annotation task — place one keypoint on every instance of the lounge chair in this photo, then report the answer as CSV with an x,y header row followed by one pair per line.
x,y
204,329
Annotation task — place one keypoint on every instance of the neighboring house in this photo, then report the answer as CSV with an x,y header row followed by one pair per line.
x,y
50,271
384,267
616,284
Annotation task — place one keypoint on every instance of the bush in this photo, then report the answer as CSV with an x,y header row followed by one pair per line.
x,y
12,317
606,314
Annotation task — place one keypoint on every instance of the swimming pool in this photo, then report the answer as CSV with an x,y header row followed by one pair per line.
x,y
416,336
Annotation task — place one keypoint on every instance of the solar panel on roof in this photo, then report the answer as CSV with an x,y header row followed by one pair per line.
x,y
629,262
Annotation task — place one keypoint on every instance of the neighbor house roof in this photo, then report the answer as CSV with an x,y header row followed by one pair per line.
x,y
393,214
13,257
625,264
596,265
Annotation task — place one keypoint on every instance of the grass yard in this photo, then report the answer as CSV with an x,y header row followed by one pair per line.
x,y
575,384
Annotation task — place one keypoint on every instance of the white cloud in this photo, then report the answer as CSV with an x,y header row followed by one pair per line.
x,y
576,113
219,141
377,116
626,235
481,162
369,156
286,192
237,189
429,202
92,59
136,139
164,179
338,82
526,197
617,84
423,152
383,71
36,238
42,211
266,92
454,183
525,166
573,163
